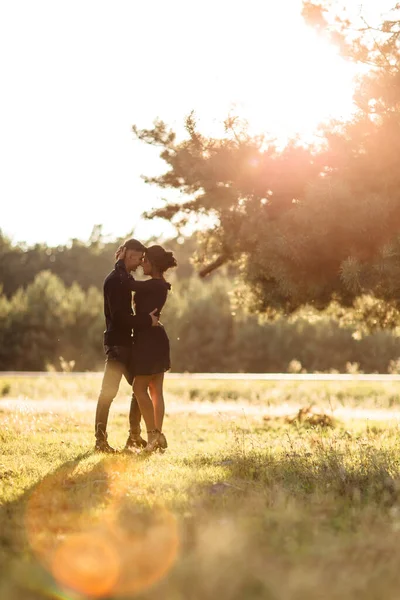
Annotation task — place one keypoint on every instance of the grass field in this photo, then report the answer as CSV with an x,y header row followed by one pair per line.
x,y
245,504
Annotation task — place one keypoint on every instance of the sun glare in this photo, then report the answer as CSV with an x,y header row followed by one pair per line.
x,y
257,60
290,92
282,76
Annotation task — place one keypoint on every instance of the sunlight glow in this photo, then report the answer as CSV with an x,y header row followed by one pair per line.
x,y
314,85
66,146
289,92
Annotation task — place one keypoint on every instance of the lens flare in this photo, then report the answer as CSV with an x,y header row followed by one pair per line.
x,y
148,548
94,536
87,563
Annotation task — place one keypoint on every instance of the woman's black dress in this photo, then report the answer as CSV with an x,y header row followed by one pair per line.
x,y
151,350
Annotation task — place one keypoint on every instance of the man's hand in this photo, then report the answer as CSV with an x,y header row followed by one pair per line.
x,y
120,253
154,319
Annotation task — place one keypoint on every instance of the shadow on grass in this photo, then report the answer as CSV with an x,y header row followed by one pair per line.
x,y
82,528
70,501
12,513
66,488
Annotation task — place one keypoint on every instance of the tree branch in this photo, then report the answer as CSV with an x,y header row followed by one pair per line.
x,y
221,260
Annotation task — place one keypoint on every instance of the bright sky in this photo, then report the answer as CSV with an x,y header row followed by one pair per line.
x,y
76,74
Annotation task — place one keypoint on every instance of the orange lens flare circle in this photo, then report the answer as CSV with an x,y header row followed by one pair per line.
x,y
87,563
88,530
148,552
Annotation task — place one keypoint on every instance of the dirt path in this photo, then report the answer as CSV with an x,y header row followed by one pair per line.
x,y
200,408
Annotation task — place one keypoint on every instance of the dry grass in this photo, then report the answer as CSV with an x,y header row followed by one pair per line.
x,y
238,508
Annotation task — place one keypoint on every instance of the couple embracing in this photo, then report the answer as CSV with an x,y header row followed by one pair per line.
x,y
136,344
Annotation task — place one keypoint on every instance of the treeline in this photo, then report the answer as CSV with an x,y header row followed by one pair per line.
x,y
52,325
85,263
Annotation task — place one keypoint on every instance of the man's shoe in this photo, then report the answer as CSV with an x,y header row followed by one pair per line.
x,y
135,442
104,447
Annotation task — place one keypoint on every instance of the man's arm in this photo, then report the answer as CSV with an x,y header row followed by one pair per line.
x,y
119,314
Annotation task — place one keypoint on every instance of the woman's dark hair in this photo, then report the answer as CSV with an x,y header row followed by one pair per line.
x,y
160,258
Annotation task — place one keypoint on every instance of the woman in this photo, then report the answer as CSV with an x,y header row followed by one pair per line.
x,y
151,354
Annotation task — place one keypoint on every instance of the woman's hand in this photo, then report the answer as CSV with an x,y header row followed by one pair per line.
x,y
154,319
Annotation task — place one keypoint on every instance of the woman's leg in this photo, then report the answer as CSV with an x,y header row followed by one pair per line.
x,y
157,396
140,387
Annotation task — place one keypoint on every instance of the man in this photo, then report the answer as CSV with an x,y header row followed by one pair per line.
x,y
120,321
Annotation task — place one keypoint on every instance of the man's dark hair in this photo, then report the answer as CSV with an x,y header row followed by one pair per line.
x,y
134,245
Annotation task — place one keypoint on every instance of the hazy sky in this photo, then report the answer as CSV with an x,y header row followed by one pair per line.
x,y
76,74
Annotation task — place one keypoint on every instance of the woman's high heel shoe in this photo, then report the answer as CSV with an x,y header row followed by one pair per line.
x,y
157,441
163,442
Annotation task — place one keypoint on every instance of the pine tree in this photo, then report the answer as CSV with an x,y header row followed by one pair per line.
x,y
302,224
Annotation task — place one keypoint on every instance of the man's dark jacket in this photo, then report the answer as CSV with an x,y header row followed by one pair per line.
x,y
118,312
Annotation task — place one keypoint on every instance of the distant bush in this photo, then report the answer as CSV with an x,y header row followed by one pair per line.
x,y
49,325
48,320
208,336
